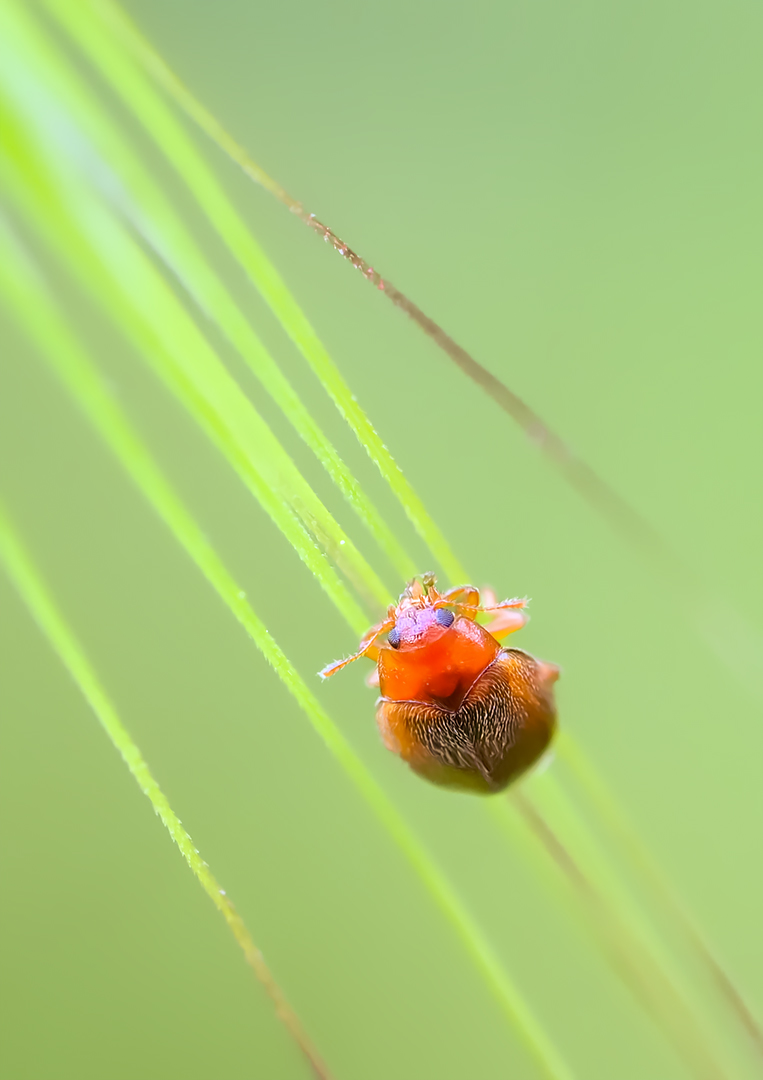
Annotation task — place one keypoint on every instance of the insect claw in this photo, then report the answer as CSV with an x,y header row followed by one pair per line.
x,y
331,669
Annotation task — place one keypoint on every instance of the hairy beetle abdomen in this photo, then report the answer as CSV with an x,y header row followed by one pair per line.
x,y
501,727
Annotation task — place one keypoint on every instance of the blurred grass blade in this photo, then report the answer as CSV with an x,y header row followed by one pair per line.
x,y
137,96
92,25
44,323
614,821
35,595
699,1034
111,266
137,195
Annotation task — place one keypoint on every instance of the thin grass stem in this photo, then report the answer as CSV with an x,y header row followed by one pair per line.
x,y
37,598
634,951
598,493
92,24
614,820
120,277
128,185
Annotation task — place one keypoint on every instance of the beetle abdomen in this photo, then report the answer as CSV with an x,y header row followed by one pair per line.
x,y
503,725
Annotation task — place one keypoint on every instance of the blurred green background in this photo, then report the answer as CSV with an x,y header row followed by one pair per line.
x,y
574,192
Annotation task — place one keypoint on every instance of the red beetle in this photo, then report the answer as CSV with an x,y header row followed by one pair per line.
x,y
460,709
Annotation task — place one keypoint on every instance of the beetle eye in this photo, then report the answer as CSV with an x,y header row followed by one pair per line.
x,y
394,637
444,617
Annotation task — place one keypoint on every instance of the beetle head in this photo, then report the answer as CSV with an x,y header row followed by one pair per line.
x,y
420,614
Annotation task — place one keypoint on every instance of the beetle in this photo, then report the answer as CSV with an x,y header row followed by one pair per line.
x,y
460,709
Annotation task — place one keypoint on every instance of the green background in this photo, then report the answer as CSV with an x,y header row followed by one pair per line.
x,y
574,192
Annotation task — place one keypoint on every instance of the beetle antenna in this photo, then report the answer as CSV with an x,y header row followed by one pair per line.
x,y
517,602
337,665
366,644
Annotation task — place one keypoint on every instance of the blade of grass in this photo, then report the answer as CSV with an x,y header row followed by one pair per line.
x,y
604,498
37,598
157,221
30,302
122,279
85,22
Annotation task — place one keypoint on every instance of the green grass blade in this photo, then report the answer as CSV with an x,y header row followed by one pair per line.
x,y
112,267
37,598
41,319
99,28
156,220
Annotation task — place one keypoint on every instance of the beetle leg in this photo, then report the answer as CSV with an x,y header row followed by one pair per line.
x,y
508,616
367,647
489,599
505,621
464,597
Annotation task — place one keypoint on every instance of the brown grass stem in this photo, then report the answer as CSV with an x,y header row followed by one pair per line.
x,y
632,956
615,821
